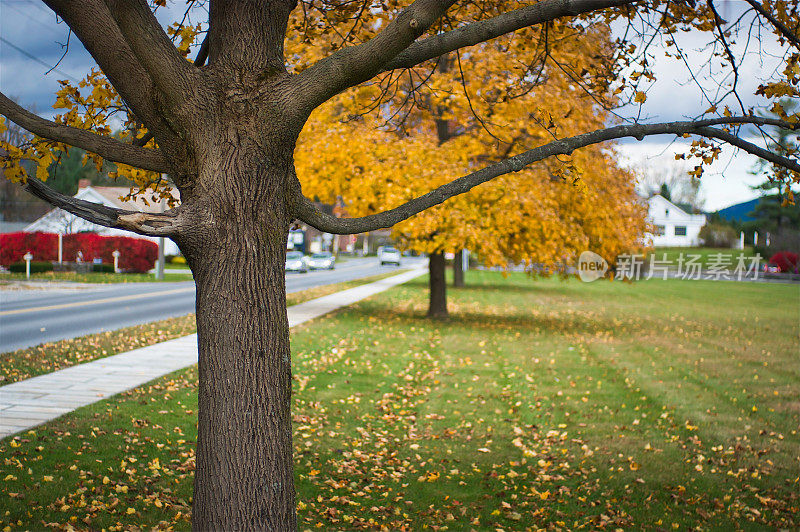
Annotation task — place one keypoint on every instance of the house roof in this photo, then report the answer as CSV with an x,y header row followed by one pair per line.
x,y
675,209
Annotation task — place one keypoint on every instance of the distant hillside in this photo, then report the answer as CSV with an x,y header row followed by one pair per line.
x,y
739,212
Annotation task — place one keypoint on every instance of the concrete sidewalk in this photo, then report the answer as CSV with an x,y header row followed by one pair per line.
x,y
34,401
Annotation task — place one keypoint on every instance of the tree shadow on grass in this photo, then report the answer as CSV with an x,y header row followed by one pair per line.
x,y
557,322
530,285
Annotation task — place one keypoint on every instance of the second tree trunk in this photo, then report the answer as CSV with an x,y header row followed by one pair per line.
x,y
458,269
437,307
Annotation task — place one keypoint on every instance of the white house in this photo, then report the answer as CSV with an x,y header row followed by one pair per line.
x,y
673,225
60,221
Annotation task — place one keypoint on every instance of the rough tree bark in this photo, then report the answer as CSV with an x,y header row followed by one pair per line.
x,y
458,269
437,304
243,477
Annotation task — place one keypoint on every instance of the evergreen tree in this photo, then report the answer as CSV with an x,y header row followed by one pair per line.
x,y
776,210
70,167
665,193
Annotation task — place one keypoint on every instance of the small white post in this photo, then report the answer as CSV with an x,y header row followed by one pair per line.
x,y
755,238
767,244
60,248
115,254
464,260
741,240
28,258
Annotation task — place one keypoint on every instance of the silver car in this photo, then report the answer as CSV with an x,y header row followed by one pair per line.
x,y
322,261
389,255
296,262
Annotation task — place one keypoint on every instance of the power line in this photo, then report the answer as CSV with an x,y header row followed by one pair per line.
x,y
28,15
34,58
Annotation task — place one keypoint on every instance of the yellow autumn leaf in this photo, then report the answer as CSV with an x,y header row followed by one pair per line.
x,y
640,97
43,164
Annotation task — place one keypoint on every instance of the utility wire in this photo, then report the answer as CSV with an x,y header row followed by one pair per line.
x,y
34,58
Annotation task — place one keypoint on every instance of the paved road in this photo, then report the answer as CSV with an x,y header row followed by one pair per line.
x,y
31,317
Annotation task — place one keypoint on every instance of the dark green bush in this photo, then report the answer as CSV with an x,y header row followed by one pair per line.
x,y
36,267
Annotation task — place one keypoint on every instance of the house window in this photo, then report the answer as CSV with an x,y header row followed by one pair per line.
x,y
680,230
660,230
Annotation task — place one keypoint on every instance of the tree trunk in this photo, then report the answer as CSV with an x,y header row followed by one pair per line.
x,y
438,287
243,478
458,269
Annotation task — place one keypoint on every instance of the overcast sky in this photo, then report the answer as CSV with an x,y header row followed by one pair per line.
x,y
32,42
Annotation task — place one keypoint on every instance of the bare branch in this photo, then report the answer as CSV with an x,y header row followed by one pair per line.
x,y
356,64
171,73
153,224
147,137
780,26
485,30
107,147
731,58
305,210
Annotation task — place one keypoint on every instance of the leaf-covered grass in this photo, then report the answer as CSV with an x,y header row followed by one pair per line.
x,y
659,404
44,358
96,277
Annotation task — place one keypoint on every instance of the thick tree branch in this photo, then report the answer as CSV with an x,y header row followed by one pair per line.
x,y
485,30
107,147
356,64
200,60
170,72
780,26
92,23
749,147
248,35
305,210
202,53
161,224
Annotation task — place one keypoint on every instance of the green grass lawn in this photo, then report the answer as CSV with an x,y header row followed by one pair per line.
x,y
176,266
539,404
705,254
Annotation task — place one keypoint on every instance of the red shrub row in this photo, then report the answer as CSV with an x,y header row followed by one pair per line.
x,y
136,254
786,260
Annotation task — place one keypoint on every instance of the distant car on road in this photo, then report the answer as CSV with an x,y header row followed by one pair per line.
x,y
322,261
296,262
389,255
